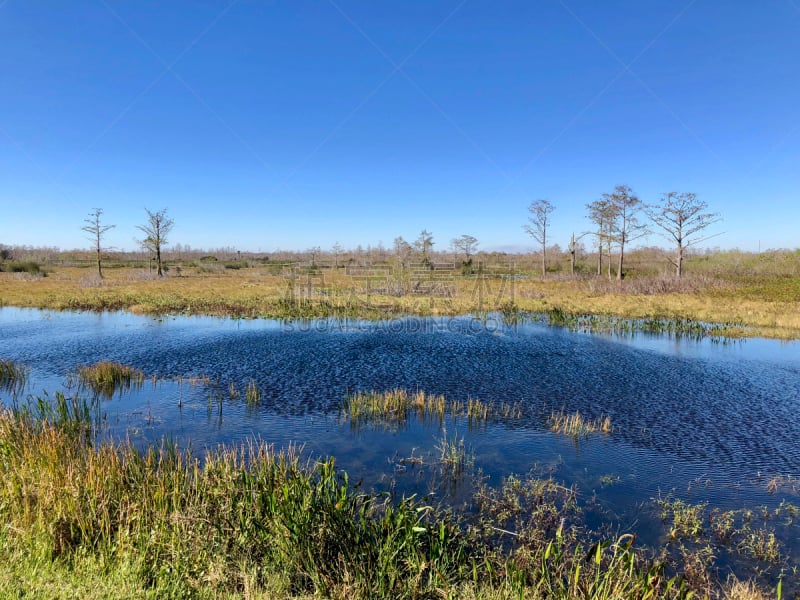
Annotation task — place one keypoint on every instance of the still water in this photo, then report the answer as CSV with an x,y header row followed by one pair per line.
x,y
701,420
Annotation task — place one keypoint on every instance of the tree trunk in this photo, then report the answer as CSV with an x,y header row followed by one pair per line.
x,y
572,256
600,258
621,256
99,268
679,263
158,261
544,263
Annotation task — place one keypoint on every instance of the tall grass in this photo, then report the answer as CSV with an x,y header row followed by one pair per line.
x,y
394,408
13,376
105,378
576,425
241,519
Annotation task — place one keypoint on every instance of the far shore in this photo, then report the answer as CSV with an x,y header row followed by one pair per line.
x,y
758,306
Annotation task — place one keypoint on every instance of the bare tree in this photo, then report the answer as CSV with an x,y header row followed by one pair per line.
x,y
682,218
156,230
539,220
314,251
574,246
424,244
602,213
401,249
96,230
466,245
625,226
337,251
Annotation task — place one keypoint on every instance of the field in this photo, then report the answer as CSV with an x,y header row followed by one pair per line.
x,y
745,294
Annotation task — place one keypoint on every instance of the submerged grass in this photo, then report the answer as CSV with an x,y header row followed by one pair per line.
x,y
576,425
106,377
249,521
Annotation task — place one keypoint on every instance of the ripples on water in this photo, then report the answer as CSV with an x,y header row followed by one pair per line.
x,y
732,406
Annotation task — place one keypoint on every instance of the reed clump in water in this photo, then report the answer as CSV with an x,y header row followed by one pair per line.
x,y
252,395
394,408
13,376
576,425
106,377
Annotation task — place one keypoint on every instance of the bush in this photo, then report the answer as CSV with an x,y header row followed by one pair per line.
x,y
29,267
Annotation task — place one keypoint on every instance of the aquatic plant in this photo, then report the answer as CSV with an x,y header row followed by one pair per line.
x,y
107,377
394,408
685,520
252,395
576,425
13,376
454,456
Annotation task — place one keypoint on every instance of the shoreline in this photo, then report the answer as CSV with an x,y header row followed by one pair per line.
x,y
764,307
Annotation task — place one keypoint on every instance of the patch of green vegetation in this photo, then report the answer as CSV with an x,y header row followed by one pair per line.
x,y
30,267
99,520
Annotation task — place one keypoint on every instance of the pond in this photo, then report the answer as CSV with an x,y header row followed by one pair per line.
x,y
699,420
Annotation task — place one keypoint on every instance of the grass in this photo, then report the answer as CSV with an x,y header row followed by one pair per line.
x,y
731,531
757,303
395,408
106,377
13,376
252,395
101,520
576,425
454,456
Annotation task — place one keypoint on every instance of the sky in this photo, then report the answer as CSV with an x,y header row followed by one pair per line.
x,y
262,125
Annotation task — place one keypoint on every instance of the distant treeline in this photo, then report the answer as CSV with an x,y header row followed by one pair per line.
x,y
642,261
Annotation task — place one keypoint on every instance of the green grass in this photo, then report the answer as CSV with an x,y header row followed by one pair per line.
x,y
99,520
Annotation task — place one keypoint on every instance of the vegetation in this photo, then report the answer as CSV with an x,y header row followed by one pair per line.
x,y
394,409
104,519
13,376
106,377
576,425
156,230
729,293
536,227
681,220
96,231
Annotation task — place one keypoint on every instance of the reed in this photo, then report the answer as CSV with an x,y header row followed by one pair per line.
x,y
13,376
252,394
105,378
576,425
395,408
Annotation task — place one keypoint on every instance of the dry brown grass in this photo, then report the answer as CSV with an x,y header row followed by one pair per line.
x,y
769,308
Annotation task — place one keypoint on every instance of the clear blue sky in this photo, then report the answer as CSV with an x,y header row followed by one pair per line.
x,y
287,124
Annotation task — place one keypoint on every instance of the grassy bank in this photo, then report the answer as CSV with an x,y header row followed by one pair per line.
x,y
97,521
759,305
